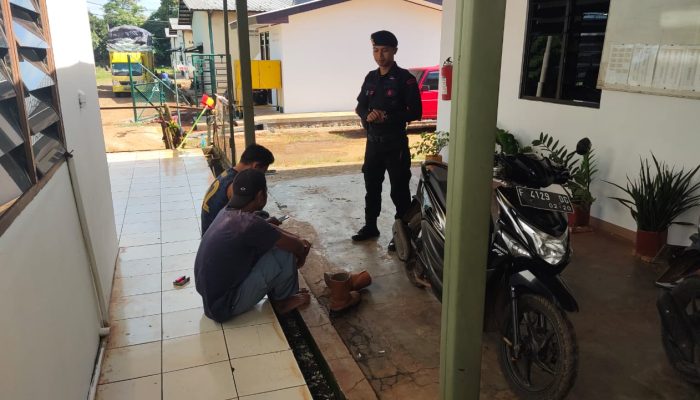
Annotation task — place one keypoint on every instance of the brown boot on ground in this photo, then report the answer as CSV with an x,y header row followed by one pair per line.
x,y
359,281
292,302
342,295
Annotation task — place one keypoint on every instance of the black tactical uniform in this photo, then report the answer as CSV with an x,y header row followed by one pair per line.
x,y
397,94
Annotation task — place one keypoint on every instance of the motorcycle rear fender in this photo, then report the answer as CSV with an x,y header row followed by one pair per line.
x,y
551,287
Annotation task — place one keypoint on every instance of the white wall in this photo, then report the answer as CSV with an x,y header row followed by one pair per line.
x,y
48,311
48,308
75,70
327,52
625,127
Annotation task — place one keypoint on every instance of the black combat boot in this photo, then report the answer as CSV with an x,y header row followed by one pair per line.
x,y
368,231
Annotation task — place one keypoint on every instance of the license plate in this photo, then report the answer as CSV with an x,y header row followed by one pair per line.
x,y
544,200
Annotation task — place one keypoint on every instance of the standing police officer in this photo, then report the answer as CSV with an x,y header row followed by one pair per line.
x,y
389,99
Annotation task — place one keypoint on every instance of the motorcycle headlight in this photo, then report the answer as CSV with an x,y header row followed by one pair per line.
x,y
550,248
514,247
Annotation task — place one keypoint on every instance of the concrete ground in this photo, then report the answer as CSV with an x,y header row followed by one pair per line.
x,y
394,334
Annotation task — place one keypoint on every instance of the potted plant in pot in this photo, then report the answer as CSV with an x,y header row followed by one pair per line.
x,y
430,145
580,185
582,172
655,200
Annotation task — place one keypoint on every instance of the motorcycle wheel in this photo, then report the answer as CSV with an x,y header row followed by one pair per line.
x,y
546,366
687,296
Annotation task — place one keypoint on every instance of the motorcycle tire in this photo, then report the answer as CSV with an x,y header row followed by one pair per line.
x,y
683,294
566,365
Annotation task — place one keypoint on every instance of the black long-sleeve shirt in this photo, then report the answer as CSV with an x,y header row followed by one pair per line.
x,y
396,93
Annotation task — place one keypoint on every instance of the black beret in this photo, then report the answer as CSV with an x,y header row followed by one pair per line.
x,y
384,38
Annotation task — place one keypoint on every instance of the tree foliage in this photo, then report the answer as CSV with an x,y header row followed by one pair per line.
x,y
123,12
156,24
98,31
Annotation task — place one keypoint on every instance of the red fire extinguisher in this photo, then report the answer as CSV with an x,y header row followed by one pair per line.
x,y
446,81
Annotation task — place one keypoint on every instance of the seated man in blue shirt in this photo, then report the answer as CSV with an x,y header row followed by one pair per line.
x,y
219,192
242,257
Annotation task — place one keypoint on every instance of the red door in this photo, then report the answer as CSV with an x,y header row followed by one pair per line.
x,y
429,93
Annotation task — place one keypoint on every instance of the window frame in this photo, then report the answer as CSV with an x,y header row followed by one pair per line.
x,y
14,207
562,62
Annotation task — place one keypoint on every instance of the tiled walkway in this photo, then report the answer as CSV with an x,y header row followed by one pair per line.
x,y
161,345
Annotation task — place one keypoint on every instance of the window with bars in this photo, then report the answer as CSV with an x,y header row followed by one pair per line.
x,y
31,132
563,48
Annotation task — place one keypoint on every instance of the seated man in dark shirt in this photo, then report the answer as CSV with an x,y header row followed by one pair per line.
x,y
219,192
242,257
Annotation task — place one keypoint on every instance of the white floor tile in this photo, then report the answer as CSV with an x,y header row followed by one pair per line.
x,y
193,351
212,381
267,372
187,322
131,362
135,306
176,248
297,393
178,300
262,313
133,285
128,332
138,267
255,340
139,252
146,388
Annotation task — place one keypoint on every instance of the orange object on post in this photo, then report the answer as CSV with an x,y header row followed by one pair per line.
x,y
207,101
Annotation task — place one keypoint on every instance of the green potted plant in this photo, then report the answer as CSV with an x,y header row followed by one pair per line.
x,y
583,171
655,200
430,145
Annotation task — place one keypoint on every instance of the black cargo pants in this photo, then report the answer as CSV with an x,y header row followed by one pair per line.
x,y
383,155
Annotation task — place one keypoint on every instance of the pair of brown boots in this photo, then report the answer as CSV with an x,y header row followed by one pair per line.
x,y
344,288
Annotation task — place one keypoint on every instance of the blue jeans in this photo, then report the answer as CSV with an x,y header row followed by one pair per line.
x,y
275,274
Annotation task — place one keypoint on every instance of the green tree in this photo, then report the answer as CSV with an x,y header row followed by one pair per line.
x,y
98,30
123,12
156,24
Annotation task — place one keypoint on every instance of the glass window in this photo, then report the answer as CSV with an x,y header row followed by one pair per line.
x,y
29,113
122,69
432,80
563,50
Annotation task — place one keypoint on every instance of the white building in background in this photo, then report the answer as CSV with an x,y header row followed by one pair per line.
x,y
625,122
325,50
180,41
58,243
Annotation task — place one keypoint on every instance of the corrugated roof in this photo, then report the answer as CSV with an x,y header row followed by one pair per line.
x,y
253,5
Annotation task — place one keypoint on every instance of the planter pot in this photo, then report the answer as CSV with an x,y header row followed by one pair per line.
x,y
433,157
580,217
649,244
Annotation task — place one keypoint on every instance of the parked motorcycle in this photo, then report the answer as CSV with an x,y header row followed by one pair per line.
x,y
679,309
526,299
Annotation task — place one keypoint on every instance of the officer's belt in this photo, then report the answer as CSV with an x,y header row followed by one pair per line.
x,y
384,138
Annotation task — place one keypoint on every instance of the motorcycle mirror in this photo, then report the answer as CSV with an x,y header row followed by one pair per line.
x,y
583,146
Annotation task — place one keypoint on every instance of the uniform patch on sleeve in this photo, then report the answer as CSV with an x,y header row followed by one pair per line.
x,y
411,81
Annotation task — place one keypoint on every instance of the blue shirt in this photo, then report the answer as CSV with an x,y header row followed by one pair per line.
x,y
215,199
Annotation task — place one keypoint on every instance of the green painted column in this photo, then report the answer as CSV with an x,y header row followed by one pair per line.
x,y
229,85
477,61
246,79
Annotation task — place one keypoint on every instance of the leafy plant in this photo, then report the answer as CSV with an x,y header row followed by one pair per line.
x,y
657,198
431,143
580,183
582,169
556,153
509,144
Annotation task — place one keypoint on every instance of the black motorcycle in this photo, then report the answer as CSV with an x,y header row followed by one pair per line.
x,y
679,309
529,248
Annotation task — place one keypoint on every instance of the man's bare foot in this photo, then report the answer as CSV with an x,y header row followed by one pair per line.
x,y
291,303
